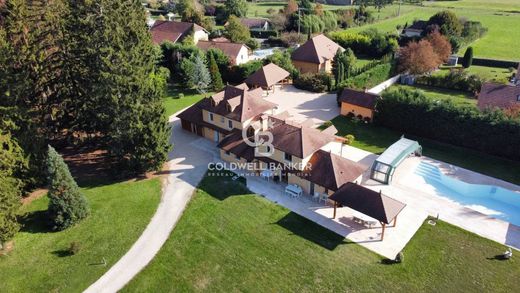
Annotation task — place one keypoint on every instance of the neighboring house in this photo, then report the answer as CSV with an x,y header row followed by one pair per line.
x,y
267,77
256,23
297,155
315,55
176,31
416,29
237,53
358,103
232,108
494,95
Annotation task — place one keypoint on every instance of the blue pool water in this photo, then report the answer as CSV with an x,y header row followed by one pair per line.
x,y
494,201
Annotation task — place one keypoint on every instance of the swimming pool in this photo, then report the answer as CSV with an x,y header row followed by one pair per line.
x,y
491,200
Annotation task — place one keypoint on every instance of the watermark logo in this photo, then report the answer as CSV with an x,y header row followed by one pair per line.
x,y
262,138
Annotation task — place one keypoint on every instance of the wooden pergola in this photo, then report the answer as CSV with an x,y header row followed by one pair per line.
x,y
267,77
371,203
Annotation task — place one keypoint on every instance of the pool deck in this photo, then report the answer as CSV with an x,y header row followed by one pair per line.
x,y
416,193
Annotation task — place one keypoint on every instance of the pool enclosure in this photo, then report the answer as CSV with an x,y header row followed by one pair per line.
x,y
384,166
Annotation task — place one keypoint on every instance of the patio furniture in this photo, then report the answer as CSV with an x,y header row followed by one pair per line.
x,y
364,220
324,197
293,190
316,196
266,174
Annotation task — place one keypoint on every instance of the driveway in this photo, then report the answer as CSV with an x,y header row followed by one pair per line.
x,y
303,105
187,164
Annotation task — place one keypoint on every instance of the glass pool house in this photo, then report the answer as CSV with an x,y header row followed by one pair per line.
x,y
384,166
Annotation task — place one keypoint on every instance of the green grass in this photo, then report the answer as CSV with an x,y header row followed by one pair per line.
x,y
502,37
376,139
439,94
39,261
495,74
173,102
229,240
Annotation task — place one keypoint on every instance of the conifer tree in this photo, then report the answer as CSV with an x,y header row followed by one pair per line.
x,y
216,78
467,60
11,161
67,206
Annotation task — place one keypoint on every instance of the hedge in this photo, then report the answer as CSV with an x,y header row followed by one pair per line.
x,y
455,80
314,82
411,112
369,78
494,63
368,43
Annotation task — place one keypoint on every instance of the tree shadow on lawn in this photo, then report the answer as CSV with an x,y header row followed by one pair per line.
x,y
311,231
220,185
62,253
36,222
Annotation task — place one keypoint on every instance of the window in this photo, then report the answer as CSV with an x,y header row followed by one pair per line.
x,y
221,119
230,124
210,116
228,153
287,157
237,157
518,98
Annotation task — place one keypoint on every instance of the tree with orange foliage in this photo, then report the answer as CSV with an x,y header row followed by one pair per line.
x,y
441,45
513,111
318,9
418,58
292,7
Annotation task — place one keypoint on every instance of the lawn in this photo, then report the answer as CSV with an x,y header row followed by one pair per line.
x,y
173,102
40,263
229,240
376,139
495,74
502,37
439,94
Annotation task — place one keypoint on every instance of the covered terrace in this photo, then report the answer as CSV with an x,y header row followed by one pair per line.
x,y
267,77
373,204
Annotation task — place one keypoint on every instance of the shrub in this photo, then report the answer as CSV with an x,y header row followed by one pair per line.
x,y
455,80
74,248
411,112
314,82
369,43
261,34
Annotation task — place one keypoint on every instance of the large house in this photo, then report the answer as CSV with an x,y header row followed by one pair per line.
x,y
297,156
176,31
238,53
494,95
356,103
233,108
315,55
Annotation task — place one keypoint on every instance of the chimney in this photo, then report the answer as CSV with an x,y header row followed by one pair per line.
x,y
265,122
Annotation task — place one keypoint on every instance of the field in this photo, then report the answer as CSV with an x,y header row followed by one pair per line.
x,y
229,240
440,94
40,261
173,102
376,139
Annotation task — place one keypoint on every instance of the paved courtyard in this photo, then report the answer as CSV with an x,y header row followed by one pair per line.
x,y
303,105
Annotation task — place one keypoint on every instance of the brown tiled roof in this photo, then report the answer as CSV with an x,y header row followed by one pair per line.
x,y
194,115
221,40
234,143
316,50
366,201
164,30
244,103
230,49
498,95
267,76
331,171
359,98
298,140
253,22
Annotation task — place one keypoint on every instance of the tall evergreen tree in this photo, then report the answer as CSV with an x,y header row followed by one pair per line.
x,y
216,78
67,206
201,77
11,161
467,60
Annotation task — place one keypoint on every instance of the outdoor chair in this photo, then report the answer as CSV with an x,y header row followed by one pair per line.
x,y
316,196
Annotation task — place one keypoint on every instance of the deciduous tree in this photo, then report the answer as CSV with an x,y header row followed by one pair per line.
x,y
236,31
441,46
236,7
418,58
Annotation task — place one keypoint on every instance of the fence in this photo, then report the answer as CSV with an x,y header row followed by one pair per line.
x,y
384,85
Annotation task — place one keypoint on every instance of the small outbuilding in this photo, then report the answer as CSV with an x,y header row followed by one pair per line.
x,y
267,77
359,104
368,202
384,166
